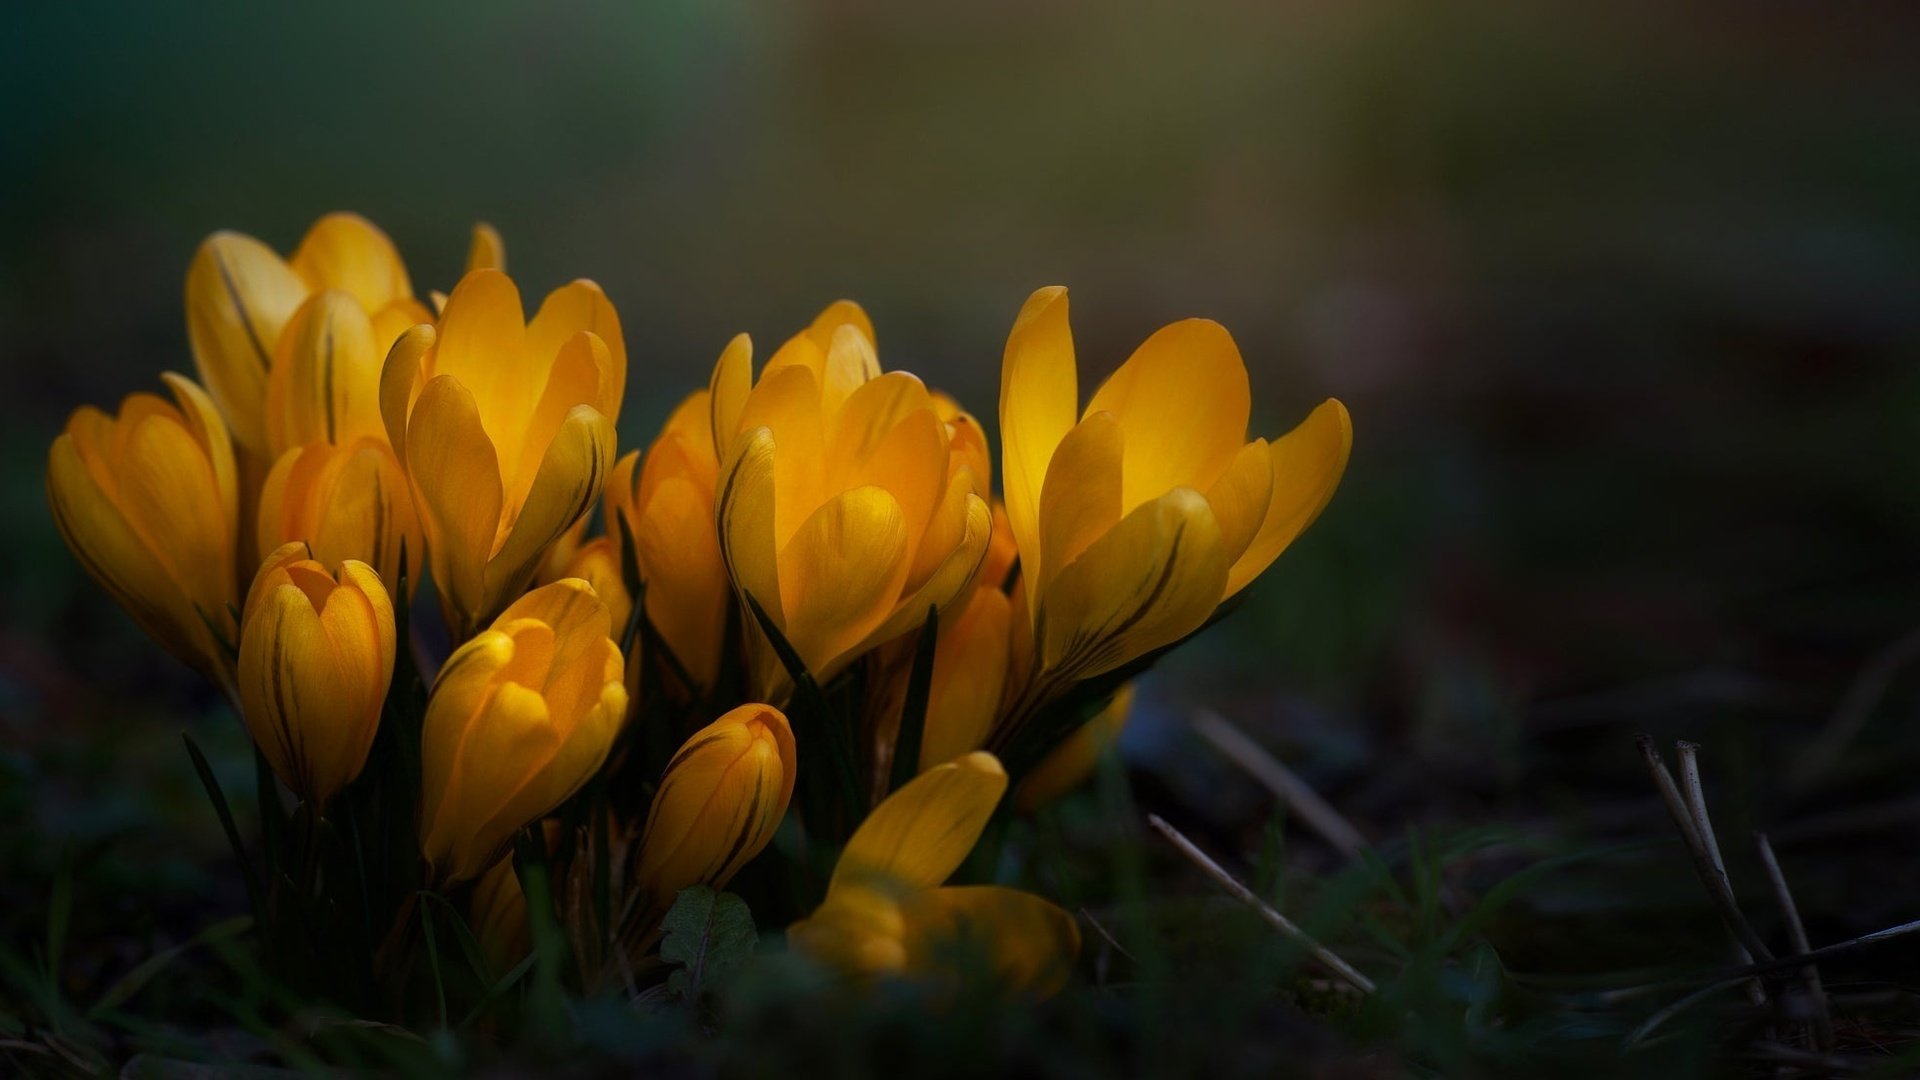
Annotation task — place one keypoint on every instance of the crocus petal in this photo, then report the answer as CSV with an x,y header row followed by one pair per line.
x,y
203,420
841,573
570,309
918,836
483,344
969,671
1241,497
746,512
719,801
687,581
1081,499
950,579
326,375
239,296
1030,943
456,482
571,473
486,251
401,382
117,557
494,764
1038,398
1307,465
727,392
1183,399
348,252
1150,581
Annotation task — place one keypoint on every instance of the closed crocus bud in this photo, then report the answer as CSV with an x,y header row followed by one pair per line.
x,y
347,501
316,657
597,561
505,429
665,500
1073,761
497,912
240,296
1137,518
847,506
520,717
888,911
721,798
148,501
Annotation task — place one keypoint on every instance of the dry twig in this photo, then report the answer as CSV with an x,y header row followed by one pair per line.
x,y
1297,794
1245,895
1797,934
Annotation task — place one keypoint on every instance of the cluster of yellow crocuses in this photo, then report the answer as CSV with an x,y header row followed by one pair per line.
x,y
800,527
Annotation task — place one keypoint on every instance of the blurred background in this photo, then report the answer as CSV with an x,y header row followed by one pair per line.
x,y
1624,300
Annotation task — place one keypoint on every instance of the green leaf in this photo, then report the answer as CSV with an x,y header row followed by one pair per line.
x,y
219,800
708,935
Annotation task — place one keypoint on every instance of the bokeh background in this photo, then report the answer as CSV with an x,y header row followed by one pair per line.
x,y
1624,299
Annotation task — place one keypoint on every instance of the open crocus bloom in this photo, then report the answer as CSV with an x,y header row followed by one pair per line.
x,y
240,296
1137,518
149,502
505,429
520,717
887,911
847,505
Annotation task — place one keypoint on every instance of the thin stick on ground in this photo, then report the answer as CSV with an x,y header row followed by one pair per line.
x,y
1695,833
1297,794
1797,935
1246,896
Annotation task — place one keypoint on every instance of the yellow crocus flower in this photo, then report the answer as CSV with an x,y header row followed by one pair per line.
x,y
888,911
497,912
844,509
505,429
720,799
597,562
1069,764
520,717
665,499
345,501
148,500
1136,520
316,657
240,296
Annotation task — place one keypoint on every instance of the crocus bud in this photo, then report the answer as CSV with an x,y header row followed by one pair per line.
x,y
664,501
847,507
325,382
497,912
1137,519
597,561
721,798
521,716
347,501
505,428
316,657
1069,764
240,296
148,501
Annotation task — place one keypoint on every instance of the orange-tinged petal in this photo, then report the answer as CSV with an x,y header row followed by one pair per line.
x,y
597,562
1241,496
840,575
687,595
348,252
489,760
566,312
969,672
950,579
571,473
486,251
326,376
918,836
787,403
402,377
746,512
482,342
1081,499
1069,764
239,296
1183,399
1151,580
850,362
1039,397
498,915
1307,465
727,393
580,369
456,484
1029,943
719,801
